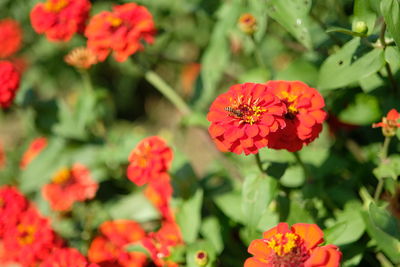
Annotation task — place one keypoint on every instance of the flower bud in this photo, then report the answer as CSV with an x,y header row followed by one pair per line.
x,y
360,27
247,23
201,258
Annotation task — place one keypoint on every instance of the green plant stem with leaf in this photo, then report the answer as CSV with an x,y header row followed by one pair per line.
x,y
383,157
87,82
257,52
167,91
387,66
259,163
306,171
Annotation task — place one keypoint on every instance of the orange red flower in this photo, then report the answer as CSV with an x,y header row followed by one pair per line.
x,y
59,20
243,118
247,23
35,147
121,31
31,240
68,186
148,160
65,257
389,124
160,243
159,193
10,37
295,246
108,249
81,58
9,83
303,118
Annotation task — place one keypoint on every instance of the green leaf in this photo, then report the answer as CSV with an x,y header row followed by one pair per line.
x,y
257,75
188,216
363,11
258,192
136,248
383,220
211,230
293,177
204,246
216,57
293,16
346,66
230,204
298,213
388,244
345,31
301,70
134,207
391,13
349,226
363,111
389,168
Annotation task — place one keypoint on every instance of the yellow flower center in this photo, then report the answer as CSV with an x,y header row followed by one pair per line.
x,y
283,244
62,176
290,100
248,112
55,5
114,21
26,234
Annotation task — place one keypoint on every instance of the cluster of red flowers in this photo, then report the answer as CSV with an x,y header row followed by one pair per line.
x,y
10,37
295,246
27,238
9,83
278,114
121,31
389,124
150,161
73,184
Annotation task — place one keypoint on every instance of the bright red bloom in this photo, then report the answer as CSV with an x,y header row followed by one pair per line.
x,y
304,116
35,147
296,246
148,160
159,193
160,243
12,205
9,83
31,240
69,186
243,118
59,20
10,37
389,124
65,257
108,249
121,31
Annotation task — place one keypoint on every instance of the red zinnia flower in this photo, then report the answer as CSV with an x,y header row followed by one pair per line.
x,y
10,37
159,192
109,248
65,257
160,243
148,160
304,116
31,240
59,20
69,186
389,124
243,118
295,246
121,31
9,83
35,147
12,205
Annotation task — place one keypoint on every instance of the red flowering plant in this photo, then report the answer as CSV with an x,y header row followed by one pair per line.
x,y
108,249
73,184
120,31
294,246
35,147
243,118
389,124
65,257
59,20
9,83
159,192
148,160
10,37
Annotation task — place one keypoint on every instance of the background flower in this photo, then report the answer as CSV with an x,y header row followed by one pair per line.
x,y
10,37
9,83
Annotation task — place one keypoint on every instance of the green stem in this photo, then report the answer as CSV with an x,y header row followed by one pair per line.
x,y
259,163
155,80
387,66
383,156
257,53
87,83
303,166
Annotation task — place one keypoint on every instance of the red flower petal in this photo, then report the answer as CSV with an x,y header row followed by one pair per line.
x,y
310,233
